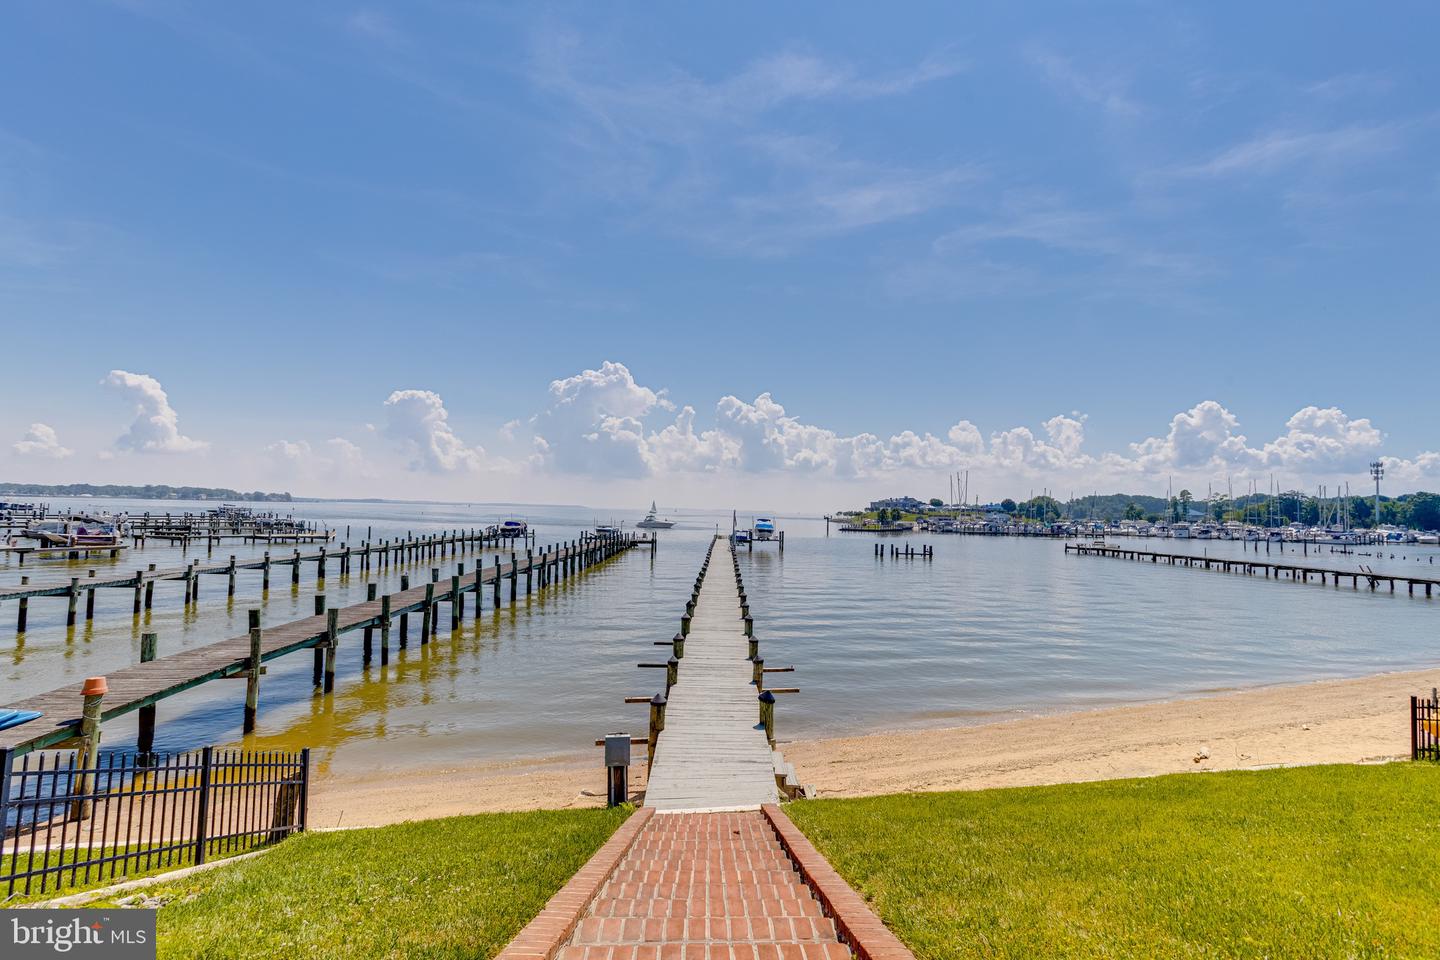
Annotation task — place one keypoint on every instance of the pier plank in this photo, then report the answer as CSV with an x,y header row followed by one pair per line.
x,y
713,754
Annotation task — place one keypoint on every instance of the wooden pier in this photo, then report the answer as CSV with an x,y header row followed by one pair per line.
x,y
365,557
143,685
1297,572
714,748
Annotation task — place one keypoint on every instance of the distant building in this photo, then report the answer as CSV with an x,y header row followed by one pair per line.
x,y
905,504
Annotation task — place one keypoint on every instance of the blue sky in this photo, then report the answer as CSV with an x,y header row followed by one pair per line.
x,y
452,249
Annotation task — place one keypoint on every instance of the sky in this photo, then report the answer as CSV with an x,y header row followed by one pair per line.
x,y
789,256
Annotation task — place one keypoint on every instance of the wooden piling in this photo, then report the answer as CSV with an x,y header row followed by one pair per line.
x,y
145,741
404,617
87,757
427,624
319,666
385,630
332,646
252,673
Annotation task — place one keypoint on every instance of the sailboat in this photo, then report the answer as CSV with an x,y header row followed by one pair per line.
x,y
652,520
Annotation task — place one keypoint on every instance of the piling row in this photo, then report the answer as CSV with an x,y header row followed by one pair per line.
x,y
907,552
368,556
142,686
1298,573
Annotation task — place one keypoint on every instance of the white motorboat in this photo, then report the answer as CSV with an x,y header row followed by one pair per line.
x,y
652,520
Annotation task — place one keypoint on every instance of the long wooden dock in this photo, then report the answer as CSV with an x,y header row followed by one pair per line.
x,y
145,684
366,556
1298,572
716,750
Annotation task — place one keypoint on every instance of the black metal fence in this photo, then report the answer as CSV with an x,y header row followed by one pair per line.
x,y
1424,728
67,823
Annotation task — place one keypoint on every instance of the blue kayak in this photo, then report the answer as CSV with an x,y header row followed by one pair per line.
x,y
13,718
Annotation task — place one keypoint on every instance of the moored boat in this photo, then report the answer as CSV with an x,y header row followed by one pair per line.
x,y
77,531
512,529
652,520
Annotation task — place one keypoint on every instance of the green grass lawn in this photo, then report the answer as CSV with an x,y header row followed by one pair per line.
x,y
1333,861
458,887
75,879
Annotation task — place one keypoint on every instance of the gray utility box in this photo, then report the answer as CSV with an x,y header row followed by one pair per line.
x,y
617,750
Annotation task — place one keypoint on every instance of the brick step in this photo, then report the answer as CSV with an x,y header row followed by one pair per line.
x,y
616,930
641,904
711,951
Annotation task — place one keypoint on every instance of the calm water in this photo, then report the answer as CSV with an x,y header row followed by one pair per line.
x,y
992,627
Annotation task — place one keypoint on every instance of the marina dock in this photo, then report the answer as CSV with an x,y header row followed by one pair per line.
x,y
143,685
1299,573
364,557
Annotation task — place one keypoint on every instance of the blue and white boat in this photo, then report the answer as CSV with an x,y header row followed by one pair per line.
x,y
764,528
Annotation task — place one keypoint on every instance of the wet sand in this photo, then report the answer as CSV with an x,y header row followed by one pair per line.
x,y
1331,721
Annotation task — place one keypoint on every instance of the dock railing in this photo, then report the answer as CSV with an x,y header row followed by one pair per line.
x,y
1425,728
70,821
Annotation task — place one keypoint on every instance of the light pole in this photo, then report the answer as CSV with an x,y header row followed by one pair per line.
x,y
1377,470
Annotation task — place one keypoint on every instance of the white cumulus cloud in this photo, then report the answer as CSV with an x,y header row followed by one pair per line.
x,y
41,441
156,427
418,421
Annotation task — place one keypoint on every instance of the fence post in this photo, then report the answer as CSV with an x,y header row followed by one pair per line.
x,y
202,806
6,757
304,788
1414,729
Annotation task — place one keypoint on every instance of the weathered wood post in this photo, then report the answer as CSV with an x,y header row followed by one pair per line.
x,y
72,597
87,758
672,673
657,724
295,568
252,673
427,624
495,584
529,571
145,741
23,614
677,644
332,646
230,588
150,590
455,611
514,576
385,630
265,573
404,617
767,715
757,672
319,667
139,591
685,625
90,599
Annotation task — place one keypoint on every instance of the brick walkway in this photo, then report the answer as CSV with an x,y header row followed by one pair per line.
x,y
708,886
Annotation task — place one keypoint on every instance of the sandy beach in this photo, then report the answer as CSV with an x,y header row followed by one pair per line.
x,y
1332,721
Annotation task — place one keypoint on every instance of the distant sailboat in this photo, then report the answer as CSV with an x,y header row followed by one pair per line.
x,y
652,520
